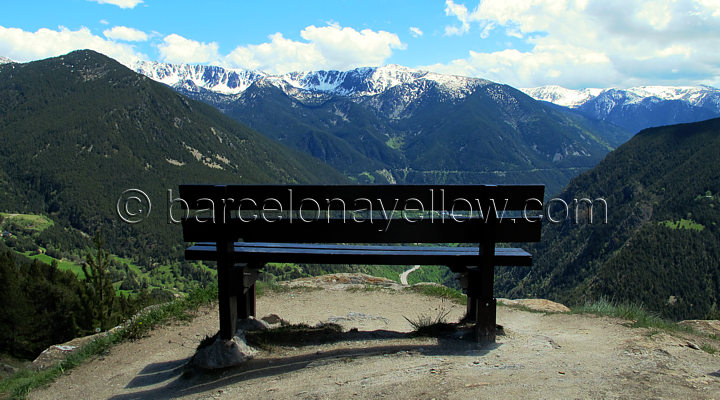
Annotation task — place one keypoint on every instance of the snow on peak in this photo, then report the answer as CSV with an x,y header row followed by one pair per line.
x,y
5,60
691,94
367,81
695,95
216,79
562,96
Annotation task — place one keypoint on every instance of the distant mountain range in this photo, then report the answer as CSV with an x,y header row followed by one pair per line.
x,y
661,245
638,107
396,124
354,83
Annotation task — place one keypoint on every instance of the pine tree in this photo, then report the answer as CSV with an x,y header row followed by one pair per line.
x,y
99,292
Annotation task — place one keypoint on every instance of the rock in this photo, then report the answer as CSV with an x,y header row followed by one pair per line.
x,y
273,319
252,324
692,346
59,352
541,305
224,353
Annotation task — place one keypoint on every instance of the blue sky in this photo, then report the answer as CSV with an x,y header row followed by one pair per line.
x,y
572,43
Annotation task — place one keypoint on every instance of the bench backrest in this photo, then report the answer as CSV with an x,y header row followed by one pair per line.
x,y
361,213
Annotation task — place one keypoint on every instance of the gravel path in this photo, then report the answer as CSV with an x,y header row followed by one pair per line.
x,y
404,275
541,356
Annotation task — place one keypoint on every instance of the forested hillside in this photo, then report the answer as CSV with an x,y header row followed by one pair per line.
x,y
80,129
661,245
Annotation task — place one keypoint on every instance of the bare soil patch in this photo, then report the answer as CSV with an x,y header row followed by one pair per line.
x,y
540,356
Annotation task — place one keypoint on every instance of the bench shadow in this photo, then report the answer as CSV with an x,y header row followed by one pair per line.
x,y
186,380
158,372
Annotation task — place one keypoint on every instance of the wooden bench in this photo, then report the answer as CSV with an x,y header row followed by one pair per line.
x,y
243,227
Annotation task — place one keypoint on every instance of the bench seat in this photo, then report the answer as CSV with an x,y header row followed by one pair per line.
x,y
456,258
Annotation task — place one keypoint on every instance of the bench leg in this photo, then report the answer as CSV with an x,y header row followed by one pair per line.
x,y
227,297
227,308
485,320
250,301
246,302
470,283
245,280
481,300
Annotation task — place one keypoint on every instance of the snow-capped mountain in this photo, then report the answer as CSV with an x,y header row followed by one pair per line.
x,y
5,60
216,79
698,96
356,82
639,107
397,124
561,96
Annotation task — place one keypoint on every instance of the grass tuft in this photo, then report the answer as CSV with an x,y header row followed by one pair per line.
x,y
432,325
263,288
639,317
443,292
365,288
708,348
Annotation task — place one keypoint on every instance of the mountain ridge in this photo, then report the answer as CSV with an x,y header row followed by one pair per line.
x,y
636,108
72,123
363,81
397,124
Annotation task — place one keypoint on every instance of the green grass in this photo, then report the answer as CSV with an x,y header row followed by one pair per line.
x,y
683,224
443,292
62,265
368,176
153,277
263,288
29,222
708,349
428,273
22,382
638,316
19,384
365,288
391,272
431,325
134,267
395,142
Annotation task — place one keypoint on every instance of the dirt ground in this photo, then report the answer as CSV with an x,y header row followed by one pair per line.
x,y
540,356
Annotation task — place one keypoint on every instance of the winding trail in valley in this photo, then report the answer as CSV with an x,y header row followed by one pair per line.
x,y
404,275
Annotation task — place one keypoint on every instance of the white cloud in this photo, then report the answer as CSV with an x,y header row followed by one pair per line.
x,y
177,49
24,46
328,47
120,3
104,22
459,11
279,55
126,34
415,31
593,42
